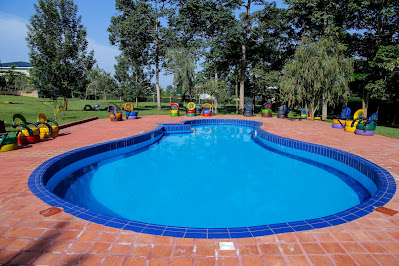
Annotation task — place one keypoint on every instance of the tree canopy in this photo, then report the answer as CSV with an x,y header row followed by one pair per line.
x,y
58,50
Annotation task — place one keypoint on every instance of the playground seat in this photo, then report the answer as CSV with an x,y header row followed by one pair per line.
x,y
7,143
113,114
29,132
266,110
130,114
46,129
174,109
367,126
191,109
249,109
339,121
283,111
304,114
206,109
350,125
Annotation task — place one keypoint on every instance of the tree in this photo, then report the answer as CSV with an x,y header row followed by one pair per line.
x,y
133,79
319,68
101,82
385,89
138,32
181,63
375,24
58,50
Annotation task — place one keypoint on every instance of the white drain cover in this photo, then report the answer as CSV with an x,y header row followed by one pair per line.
x,y
227,246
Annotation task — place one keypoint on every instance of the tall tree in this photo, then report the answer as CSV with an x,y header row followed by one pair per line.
x,y
101,82
58,49
318,68
318,17
138,32
181,63
376,24
134,80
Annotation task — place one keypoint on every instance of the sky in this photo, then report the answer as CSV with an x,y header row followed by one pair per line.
x,y
96,17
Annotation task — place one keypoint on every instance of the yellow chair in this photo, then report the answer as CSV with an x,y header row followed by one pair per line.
x,y
47,130
350,125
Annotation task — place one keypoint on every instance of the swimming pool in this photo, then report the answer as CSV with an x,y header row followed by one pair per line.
x,y
371,180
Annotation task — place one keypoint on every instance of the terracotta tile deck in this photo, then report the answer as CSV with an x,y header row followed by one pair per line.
x,y
26,237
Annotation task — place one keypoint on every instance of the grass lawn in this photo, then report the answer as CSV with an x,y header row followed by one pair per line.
x,y
31,107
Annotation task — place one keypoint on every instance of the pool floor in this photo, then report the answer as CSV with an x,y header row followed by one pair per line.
x,y
26,237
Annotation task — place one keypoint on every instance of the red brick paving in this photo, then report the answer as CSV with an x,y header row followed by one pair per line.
x,y
26,237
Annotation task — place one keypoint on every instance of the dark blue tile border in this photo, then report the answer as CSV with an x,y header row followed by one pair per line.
x,y
383,179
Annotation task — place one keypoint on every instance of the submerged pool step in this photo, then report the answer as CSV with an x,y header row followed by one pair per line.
x,y
176,128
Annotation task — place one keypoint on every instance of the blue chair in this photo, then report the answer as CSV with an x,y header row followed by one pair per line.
x,y
339,121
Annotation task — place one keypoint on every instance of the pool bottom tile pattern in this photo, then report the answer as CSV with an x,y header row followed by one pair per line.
x,y
26,237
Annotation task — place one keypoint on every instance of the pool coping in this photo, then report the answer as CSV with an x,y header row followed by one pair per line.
x,y
382,178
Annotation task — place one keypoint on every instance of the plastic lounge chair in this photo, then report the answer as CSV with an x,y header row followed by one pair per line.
x,y
339,121
249,109
367,126
30,132
44,129
7,143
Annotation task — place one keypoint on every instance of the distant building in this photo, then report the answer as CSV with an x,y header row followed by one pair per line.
x,y
21,67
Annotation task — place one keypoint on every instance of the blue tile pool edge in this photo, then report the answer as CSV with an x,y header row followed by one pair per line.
x,y
383,179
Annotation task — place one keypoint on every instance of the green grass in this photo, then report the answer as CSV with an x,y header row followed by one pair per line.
x,y
28,107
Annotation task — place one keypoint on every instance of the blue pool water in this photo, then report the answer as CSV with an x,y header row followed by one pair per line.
x,y
221,176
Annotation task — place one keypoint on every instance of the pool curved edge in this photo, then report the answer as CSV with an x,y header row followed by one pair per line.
x,y
383,179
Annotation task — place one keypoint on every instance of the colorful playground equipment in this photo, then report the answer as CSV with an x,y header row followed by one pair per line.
x,y
7,143
88,107
340,121
191,109
113,114
174,109
248,109
266,110
304,114
206,109
367,126
130,114
317,115
45,131
29,132
350,125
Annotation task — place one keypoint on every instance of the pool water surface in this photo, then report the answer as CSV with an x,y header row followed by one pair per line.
x,y
221,176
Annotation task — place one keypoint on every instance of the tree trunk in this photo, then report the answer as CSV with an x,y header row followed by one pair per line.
x,y
237,97
157,70
324,107
65,104
365,101
137,102
215,105
243,56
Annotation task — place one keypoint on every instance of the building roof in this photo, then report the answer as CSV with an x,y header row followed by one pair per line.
x,y
18,64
